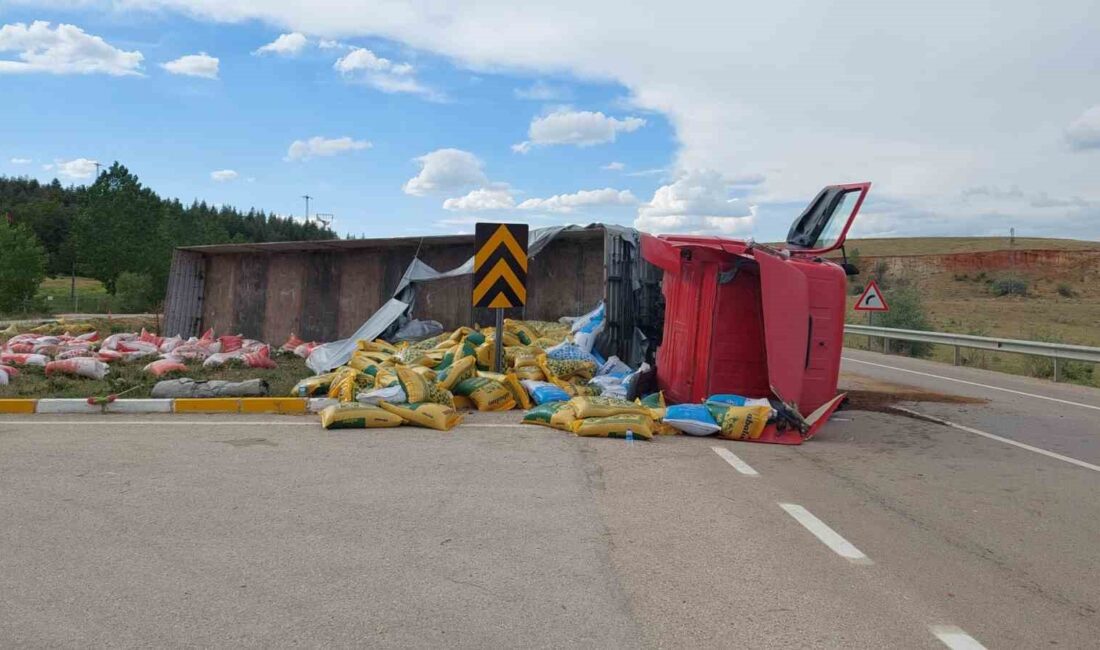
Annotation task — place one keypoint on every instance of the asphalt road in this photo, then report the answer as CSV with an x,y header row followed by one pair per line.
x,y
268,531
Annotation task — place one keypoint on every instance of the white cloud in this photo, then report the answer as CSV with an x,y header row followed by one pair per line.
x,y
698,202
868,67
223,175
1084,132
21,161
543,92
365,66
76,169
319,147
580,128
614,166
446,171
194,65
482,199
290,44
581,199
326,44
65,49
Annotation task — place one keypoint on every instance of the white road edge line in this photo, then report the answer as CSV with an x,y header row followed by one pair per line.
x,y
110,421
732,459
992,436
955,638
828,536
974,383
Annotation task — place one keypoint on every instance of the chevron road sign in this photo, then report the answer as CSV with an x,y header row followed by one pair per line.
x,y
500,265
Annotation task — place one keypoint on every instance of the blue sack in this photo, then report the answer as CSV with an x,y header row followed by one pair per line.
x,y
692,419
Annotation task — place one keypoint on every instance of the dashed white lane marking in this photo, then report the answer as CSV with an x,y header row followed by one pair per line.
x,y
974,383
955,638
1007,441
732,459
828,536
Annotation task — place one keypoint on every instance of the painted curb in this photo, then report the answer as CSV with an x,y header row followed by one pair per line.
x,y
140,406
20,406
247,405
67,405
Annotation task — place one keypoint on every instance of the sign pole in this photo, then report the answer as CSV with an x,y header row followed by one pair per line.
x,y
498,343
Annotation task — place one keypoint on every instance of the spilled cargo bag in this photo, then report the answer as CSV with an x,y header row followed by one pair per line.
x,y
425,414
163,367
558,415
488,394
511,382
600,407
463,403
78,367
461,370
567,368
315,385
379,395
532,373
654,400
416,386
739,422
352,415
615,426
692,419
543,392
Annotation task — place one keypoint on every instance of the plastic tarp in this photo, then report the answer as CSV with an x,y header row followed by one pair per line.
x,y
337,353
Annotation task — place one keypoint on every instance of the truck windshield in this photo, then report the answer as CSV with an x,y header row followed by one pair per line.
x,y
838,219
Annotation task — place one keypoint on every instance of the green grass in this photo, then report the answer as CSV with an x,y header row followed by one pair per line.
x,y
91,296
32,381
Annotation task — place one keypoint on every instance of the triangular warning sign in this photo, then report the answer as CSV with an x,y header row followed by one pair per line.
x,y
871,299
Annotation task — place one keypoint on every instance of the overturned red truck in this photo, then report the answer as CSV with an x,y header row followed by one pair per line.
x,y
759,321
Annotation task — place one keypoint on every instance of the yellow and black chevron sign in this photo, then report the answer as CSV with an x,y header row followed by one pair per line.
x,y
500,265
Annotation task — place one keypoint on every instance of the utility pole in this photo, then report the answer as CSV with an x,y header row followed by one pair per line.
x,y
97,166
307,198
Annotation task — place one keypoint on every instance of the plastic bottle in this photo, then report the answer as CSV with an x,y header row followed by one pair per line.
x,y
630,437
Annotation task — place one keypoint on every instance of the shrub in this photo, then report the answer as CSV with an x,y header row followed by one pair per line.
x,y
1009,287
134,292
22,267
906,312
1066,291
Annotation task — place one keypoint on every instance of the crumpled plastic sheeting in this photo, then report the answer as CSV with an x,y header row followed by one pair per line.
x,y
337,353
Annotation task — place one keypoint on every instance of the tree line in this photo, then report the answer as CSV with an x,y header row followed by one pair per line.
x,y
118,226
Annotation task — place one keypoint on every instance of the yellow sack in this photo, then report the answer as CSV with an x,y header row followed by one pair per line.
x,y
425,372
581,388
457,352
360,361
525,358
439,395
347,383
600,407
739,422
566,368
462,370
489,395
353,415
377,345
463,403
525,334
459,334
653,400
530,372
416,387
510,339
315,385
557,415
615,426
426,414
385,376
511,382
486,353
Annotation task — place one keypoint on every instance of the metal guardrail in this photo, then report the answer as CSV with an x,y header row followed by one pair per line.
x,y
1057,352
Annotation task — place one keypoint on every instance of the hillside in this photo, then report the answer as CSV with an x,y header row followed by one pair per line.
x,y
945,245
957,280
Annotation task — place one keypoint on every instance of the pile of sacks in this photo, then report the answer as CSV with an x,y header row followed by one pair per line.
x,y
427,383
726,416
85,355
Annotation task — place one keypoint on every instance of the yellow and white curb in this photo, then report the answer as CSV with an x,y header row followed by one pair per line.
x,y
246,405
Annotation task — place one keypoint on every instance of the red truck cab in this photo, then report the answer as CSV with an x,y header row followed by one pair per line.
x,y
759,321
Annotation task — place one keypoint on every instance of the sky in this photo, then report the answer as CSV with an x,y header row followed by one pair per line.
x,y
413,117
